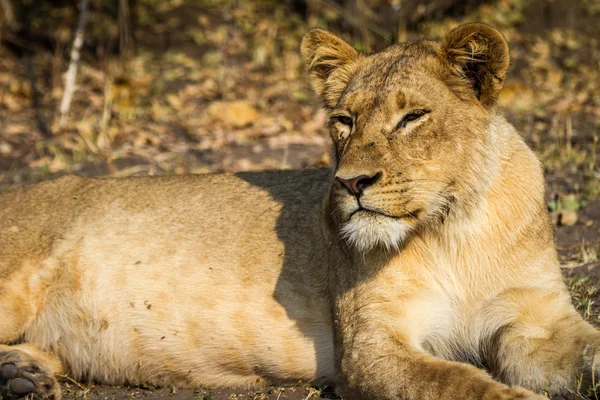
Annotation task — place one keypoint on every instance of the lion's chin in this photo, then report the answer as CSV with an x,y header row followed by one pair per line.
x,y
368,230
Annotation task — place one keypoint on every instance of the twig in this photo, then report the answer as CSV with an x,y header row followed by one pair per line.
x,y
9,13
65,104
312,392
10,38
279,394
354,22
126,44
284,159
107,109
91,145
73,381
568,133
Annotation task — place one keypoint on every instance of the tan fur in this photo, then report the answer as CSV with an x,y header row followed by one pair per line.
x,y
258,278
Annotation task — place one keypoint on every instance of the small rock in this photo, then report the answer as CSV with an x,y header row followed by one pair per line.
x,y
568,217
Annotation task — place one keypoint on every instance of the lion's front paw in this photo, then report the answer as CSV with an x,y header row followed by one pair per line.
x,y
21,376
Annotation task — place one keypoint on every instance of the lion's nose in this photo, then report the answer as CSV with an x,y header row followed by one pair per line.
x,y
359,183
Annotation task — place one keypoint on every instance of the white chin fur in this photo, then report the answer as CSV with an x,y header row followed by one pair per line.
x,y
370,231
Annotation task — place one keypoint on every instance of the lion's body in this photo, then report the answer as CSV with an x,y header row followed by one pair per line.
x,y
426,248
172,280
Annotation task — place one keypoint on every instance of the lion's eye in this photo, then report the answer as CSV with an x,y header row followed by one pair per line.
x,y
410,117
343,119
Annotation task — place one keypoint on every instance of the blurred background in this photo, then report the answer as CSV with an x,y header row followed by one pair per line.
x,y
184,86
178,86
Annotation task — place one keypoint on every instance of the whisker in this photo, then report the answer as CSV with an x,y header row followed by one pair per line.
x,y
424,180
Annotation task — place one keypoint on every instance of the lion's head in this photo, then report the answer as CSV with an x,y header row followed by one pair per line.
x,y
410,127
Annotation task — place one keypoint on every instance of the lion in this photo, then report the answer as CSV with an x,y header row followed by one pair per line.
x,y
421,265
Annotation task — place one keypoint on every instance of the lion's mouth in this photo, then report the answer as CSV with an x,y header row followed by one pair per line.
x,y
366,211
363,211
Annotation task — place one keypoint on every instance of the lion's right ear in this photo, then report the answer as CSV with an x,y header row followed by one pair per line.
x,y
477,55
323,53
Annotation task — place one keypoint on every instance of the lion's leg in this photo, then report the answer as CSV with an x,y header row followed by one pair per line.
x,y
25,370
395,370
19,301
541,342
378,356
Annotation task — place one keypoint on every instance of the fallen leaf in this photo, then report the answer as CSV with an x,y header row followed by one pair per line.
x,y
238,114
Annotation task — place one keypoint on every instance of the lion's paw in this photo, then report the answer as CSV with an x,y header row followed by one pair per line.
x,y
21,375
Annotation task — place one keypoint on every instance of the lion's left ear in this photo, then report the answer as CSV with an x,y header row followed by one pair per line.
x,y
477,55
323,53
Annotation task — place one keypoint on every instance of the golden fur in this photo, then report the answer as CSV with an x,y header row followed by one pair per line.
x,y
426,252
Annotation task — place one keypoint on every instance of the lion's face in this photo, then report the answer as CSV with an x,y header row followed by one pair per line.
x,y
409,130
396,153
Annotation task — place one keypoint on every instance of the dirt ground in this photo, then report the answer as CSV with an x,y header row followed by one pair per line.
x,y
300,392
218,86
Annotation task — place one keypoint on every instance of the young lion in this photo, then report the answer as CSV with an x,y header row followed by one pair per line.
x,y
426,252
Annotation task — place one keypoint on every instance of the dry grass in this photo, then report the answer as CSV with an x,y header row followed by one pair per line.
x,y
584,294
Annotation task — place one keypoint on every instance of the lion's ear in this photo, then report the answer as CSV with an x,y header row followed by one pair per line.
x,y
477,55
323,53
